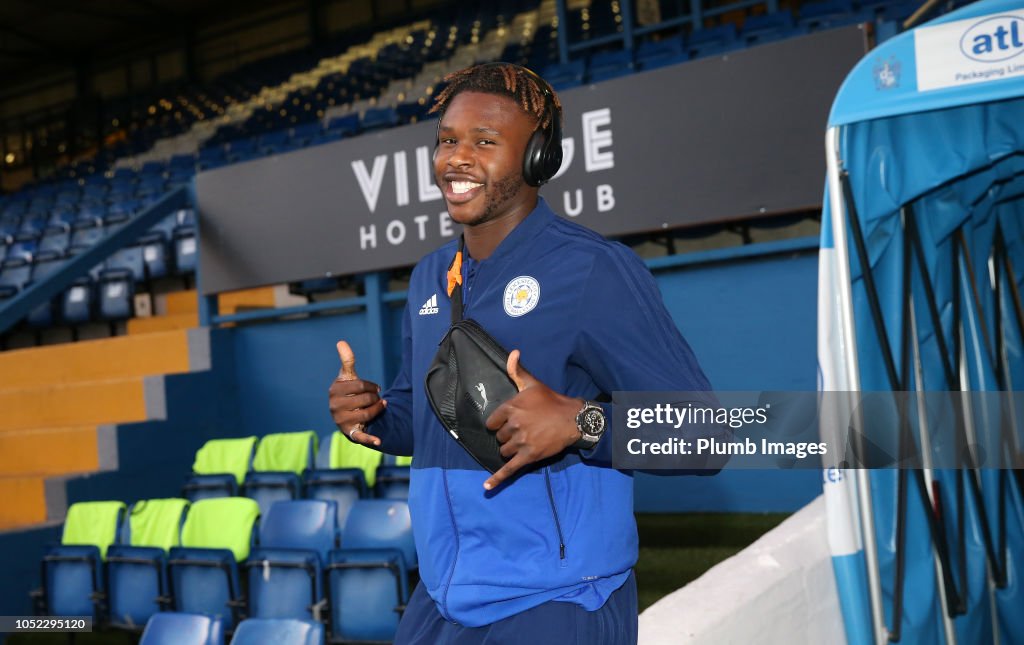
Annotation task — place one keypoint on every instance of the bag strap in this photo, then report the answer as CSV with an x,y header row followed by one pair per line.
x,y
455,281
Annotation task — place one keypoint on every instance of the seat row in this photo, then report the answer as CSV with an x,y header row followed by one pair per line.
x,y
177,628
123,565
290,465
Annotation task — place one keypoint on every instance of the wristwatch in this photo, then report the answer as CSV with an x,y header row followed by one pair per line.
x,y
591,423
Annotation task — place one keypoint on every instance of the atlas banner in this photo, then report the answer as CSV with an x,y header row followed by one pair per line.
x,y
712,140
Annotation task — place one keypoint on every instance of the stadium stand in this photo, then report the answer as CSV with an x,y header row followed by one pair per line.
x,y
290,102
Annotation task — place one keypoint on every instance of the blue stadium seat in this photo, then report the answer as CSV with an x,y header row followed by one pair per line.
x,y
185,251
392,482
33,223
24,245
203,573
61,217
378,118
56,239
136,569
72,572
347,125
219,468
14,273
279,631
174,628
342,474
78,302
156,259
563,77
367,579
285,571
662,53
116,294
46,264
130,259
610,64
713,40
277,466
769,27
86,232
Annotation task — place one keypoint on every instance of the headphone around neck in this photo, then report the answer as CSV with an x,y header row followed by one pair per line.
x,y
543,155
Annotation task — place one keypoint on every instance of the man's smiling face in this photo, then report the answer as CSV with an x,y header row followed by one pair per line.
x,y
479,160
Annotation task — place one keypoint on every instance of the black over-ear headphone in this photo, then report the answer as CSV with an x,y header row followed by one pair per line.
x,y
543,155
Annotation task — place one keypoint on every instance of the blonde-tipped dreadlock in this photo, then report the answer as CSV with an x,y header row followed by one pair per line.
x,y
503,79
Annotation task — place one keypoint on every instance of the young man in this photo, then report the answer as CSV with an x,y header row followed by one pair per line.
x,y
542,550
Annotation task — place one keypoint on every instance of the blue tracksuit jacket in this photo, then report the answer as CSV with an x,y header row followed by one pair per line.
x,y
591,321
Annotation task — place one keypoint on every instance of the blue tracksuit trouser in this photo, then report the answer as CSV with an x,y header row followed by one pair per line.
x,y
552,623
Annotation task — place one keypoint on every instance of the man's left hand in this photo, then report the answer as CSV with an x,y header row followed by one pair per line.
x,y
535,424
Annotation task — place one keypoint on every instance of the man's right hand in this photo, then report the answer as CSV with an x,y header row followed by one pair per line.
x,y
353,401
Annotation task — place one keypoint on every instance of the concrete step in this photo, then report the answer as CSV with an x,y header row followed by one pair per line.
x,y
107,358
80,404
49,451
162,323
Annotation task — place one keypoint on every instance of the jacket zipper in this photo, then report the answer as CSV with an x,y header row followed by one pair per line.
x,y
455,529
554,514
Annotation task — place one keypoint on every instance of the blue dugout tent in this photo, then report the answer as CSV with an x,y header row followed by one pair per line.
x,y
920,280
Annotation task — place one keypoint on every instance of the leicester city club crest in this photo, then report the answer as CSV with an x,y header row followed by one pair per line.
x,y
521,295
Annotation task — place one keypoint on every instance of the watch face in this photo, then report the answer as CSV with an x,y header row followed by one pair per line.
x,y
592,423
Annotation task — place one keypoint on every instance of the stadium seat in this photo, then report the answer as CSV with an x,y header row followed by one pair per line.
x,y
346,126
72,572
116,294
279,631
203,572
565,76
278,466
392,482
46,264
185,256
661,53
24,245
86,232
343,475
14,273
77,302
367,579
219,468
130,259
56,238
713,40
174,628
136,568
379,117
284,572
609,65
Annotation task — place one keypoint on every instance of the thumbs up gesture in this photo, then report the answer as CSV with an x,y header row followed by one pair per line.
x,y
353,401
535,424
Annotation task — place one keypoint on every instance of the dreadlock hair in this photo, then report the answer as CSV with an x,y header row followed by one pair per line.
x,y
503,79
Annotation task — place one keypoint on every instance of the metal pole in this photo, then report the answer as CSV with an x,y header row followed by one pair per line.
x,y
838,209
